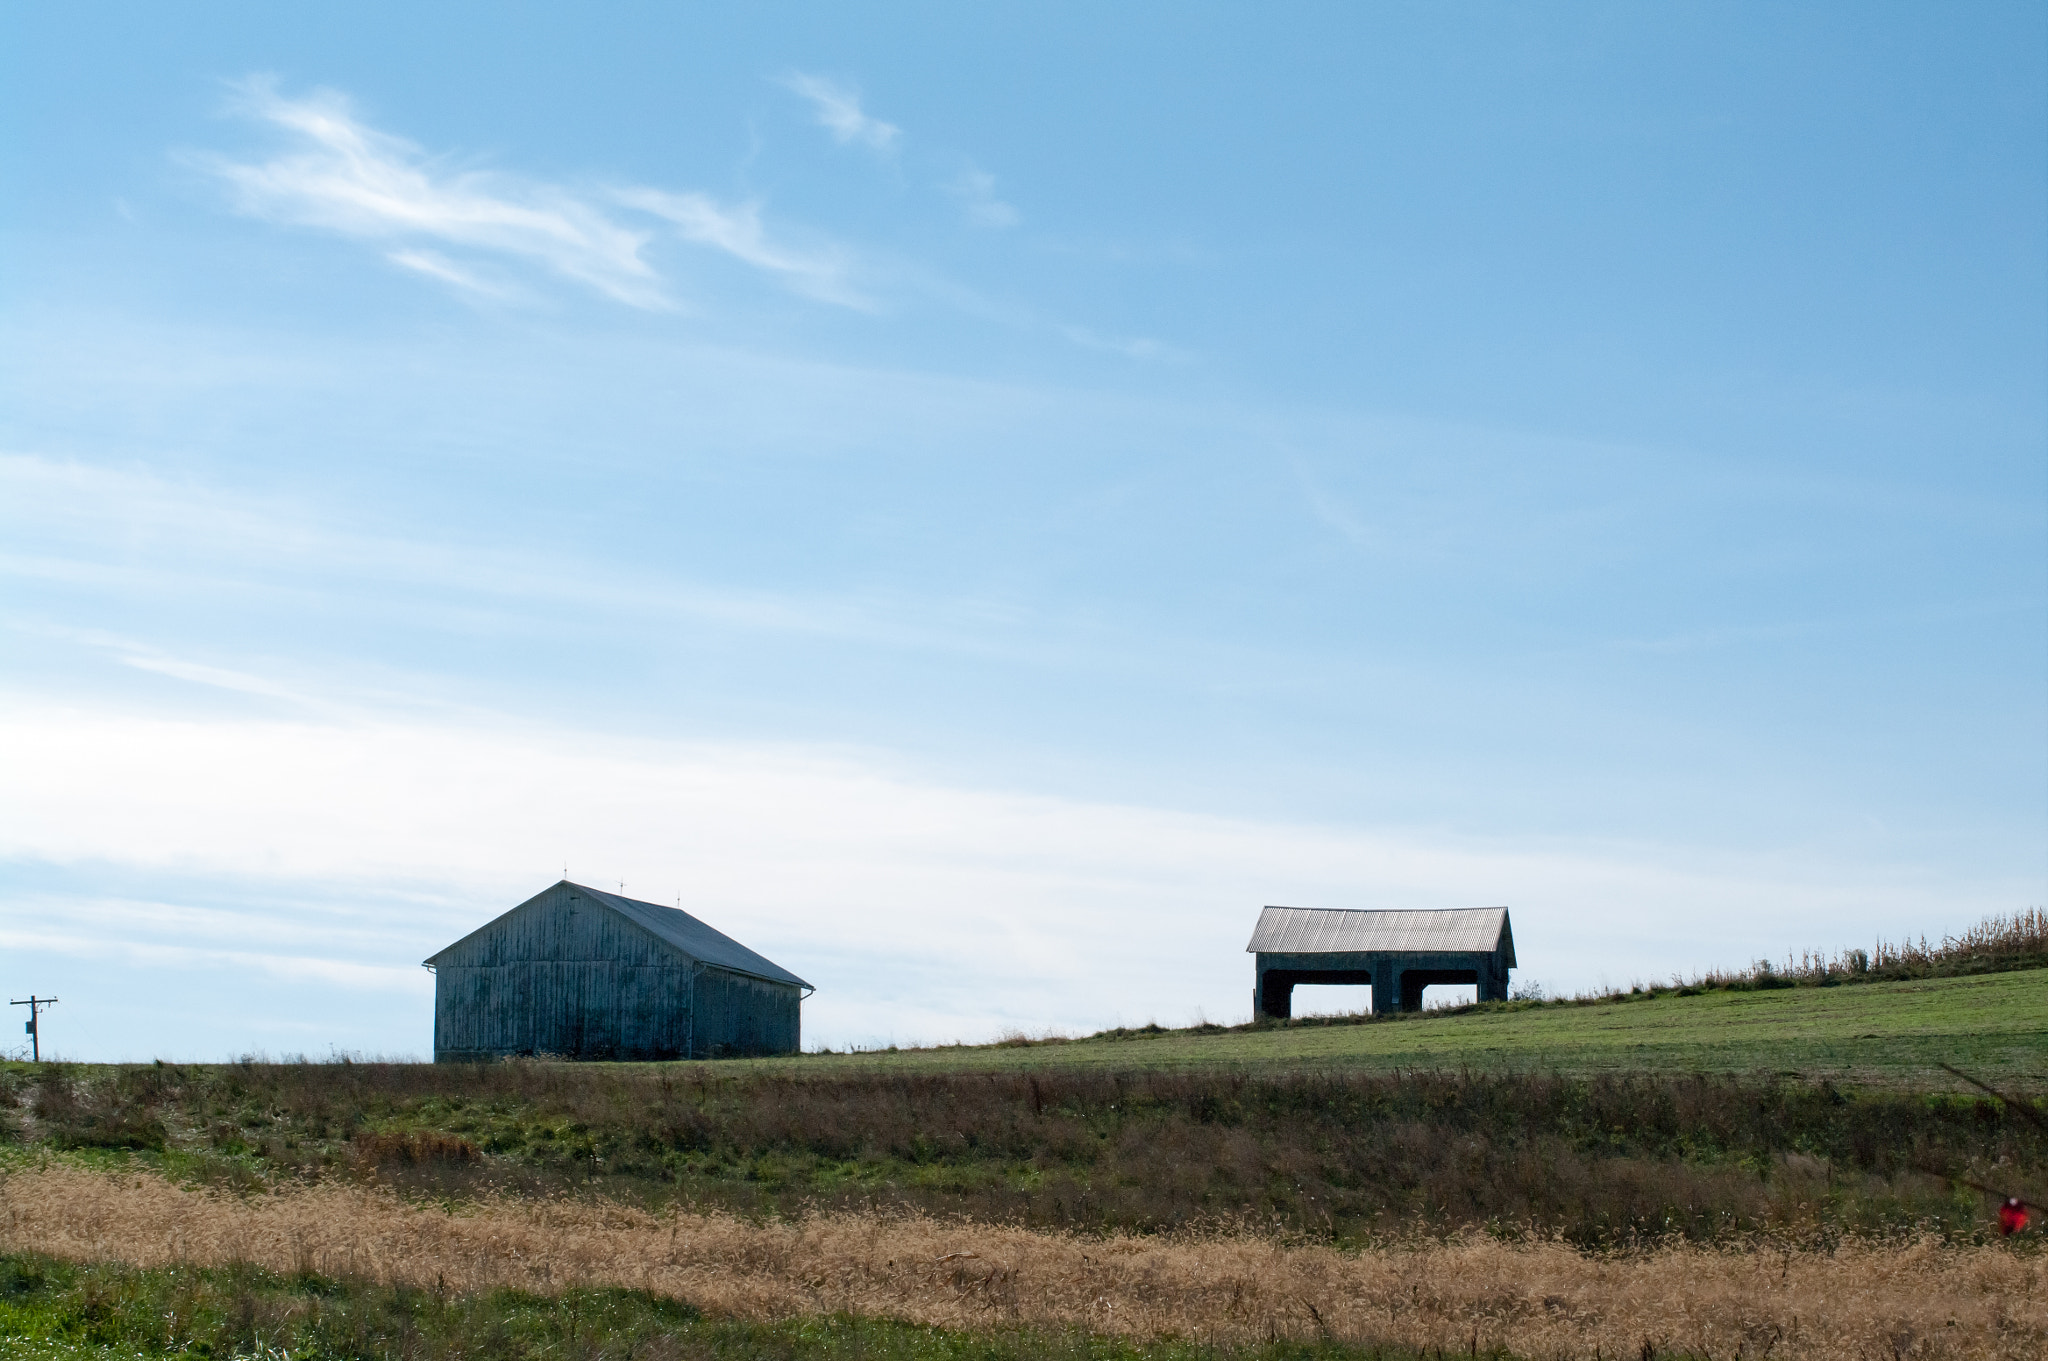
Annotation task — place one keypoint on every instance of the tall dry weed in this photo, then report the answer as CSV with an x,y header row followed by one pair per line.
x,y
1998,942
1861,1299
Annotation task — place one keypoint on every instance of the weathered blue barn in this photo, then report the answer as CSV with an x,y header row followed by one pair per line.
x,y
1397,954
585,974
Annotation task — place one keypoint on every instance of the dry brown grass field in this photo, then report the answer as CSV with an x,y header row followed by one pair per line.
x,y
1855,1298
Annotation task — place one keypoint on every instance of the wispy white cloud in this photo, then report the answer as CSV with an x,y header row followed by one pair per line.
x,y
878,884
210,541
348,177
344,176
737,230
96,938
198,673
1332,510
461,227
437,266
1130,347
839,112
975,189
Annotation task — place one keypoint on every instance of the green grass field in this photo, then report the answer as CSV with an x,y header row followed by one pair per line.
x,y
1880,1034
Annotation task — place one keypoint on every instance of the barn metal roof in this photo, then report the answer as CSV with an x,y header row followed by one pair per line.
x,y
694,938
1317,930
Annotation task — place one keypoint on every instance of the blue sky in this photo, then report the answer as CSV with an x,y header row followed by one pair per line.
x,y
975,501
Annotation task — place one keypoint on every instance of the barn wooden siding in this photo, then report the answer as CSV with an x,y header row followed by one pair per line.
x,y
563,974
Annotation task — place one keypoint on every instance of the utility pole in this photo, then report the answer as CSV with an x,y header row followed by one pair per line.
x,y
35,1007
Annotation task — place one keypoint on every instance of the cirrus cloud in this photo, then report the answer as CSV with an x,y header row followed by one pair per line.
x,y
838,111
738,231
341,175
975,189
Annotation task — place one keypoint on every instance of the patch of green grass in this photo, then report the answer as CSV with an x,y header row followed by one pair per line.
x,y
1876,1034
52,1310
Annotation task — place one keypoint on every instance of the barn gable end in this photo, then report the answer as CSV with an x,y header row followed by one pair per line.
x,y
580,973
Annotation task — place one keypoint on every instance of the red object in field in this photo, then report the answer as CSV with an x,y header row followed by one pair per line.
x,y
2012,1216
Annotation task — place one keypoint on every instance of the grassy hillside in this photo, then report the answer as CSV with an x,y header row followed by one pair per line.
x,y
1690,1116
1885,1034
1671,1134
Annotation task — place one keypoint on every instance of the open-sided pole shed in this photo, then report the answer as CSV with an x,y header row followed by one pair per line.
x,y
1395,953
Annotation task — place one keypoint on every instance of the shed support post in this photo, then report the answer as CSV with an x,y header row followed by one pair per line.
x,y
1386,989
1274,996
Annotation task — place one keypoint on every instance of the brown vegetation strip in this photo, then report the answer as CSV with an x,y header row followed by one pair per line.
x,y
1863,1299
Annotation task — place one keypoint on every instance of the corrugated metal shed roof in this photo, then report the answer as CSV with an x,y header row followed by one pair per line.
x,y
1315,930
678,928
